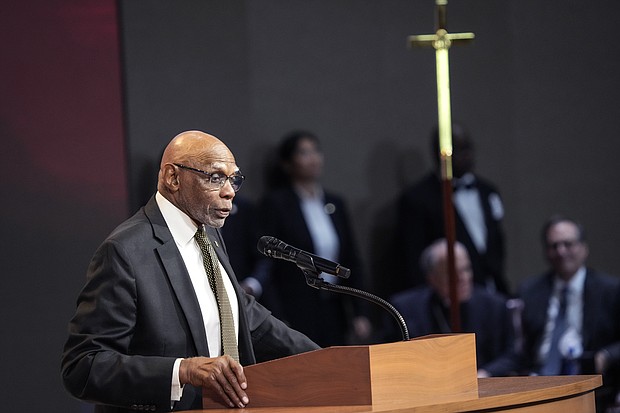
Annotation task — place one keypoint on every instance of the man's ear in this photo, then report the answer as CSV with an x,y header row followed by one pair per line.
x,y
171,177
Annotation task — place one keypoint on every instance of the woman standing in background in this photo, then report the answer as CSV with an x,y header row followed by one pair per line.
x,y
300,212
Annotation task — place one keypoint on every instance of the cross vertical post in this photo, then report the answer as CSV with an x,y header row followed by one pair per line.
x,y
441,41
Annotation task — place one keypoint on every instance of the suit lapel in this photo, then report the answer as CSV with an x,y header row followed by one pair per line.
x,y
179,277
590,303
542,300
186,296
295,218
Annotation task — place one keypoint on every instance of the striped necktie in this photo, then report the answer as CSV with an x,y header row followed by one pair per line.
x,y
553,362
212,268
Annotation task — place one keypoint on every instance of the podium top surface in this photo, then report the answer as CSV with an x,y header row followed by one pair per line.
x,y
495,392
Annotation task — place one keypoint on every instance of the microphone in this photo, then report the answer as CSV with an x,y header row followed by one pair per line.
x,y
274,248
312,266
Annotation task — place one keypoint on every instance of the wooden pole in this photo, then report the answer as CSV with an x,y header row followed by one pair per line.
x,y
441,42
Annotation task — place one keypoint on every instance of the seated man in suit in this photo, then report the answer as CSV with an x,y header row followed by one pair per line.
x,y
426,310
162,318
570,319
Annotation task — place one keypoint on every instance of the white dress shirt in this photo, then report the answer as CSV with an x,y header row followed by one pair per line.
x,y
321,227
467,203
571,340
183,230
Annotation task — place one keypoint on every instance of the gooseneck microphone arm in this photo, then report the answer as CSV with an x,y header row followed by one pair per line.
x,y
306,262
314,280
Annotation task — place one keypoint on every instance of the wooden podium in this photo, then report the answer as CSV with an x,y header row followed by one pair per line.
x,y
428,374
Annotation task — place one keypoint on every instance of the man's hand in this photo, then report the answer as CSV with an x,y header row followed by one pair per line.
x,y
218,375
362,327
601,361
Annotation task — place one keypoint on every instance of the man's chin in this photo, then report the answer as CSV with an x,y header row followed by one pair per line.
x,y
215,223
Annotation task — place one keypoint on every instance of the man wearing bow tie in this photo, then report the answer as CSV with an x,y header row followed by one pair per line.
x,y
478,215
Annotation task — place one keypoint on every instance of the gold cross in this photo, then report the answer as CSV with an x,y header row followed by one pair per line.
x,y
441,42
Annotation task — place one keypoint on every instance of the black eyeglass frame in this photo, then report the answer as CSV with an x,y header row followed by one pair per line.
x,y
568,244
230,178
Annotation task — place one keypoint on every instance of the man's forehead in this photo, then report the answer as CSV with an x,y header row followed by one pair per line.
x,y
562,229
217,155
221,164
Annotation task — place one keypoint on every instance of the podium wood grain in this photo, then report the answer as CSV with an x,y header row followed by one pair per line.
x,y
424,370
564,394
415,372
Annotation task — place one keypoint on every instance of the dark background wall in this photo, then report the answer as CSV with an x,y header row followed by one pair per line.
x,y
538,89
64,181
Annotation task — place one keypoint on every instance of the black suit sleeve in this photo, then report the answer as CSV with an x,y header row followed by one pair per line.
x,y
98,364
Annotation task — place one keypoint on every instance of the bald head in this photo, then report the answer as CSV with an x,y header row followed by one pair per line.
x,y
187,163
434,263
192,148
195,146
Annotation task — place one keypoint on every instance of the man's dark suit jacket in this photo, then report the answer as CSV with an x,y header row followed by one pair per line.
x,y
321,315
601,321
485,314
138,312
420,221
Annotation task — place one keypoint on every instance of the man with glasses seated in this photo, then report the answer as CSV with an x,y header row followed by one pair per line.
x,y
571,314
162,318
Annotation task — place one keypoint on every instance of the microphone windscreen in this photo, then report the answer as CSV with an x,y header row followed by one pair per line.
x,y
263,242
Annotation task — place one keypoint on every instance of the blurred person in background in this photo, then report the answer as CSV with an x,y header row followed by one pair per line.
x,y
571,322
426,310
478,213
299,211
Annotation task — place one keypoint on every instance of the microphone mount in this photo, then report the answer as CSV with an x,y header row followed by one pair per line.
x,y
314,280
312,266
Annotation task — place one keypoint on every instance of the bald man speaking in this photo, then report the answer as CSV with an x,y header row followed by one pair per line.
x,y
162,317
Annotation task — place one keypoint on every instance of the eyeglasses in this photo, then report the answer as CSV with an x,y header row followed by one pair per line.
x,y
216,179
567,244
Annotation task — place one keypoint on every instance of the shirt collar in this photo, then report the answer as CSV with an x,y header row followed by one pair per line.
x,y
303,194
180,224
575,284
467,179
